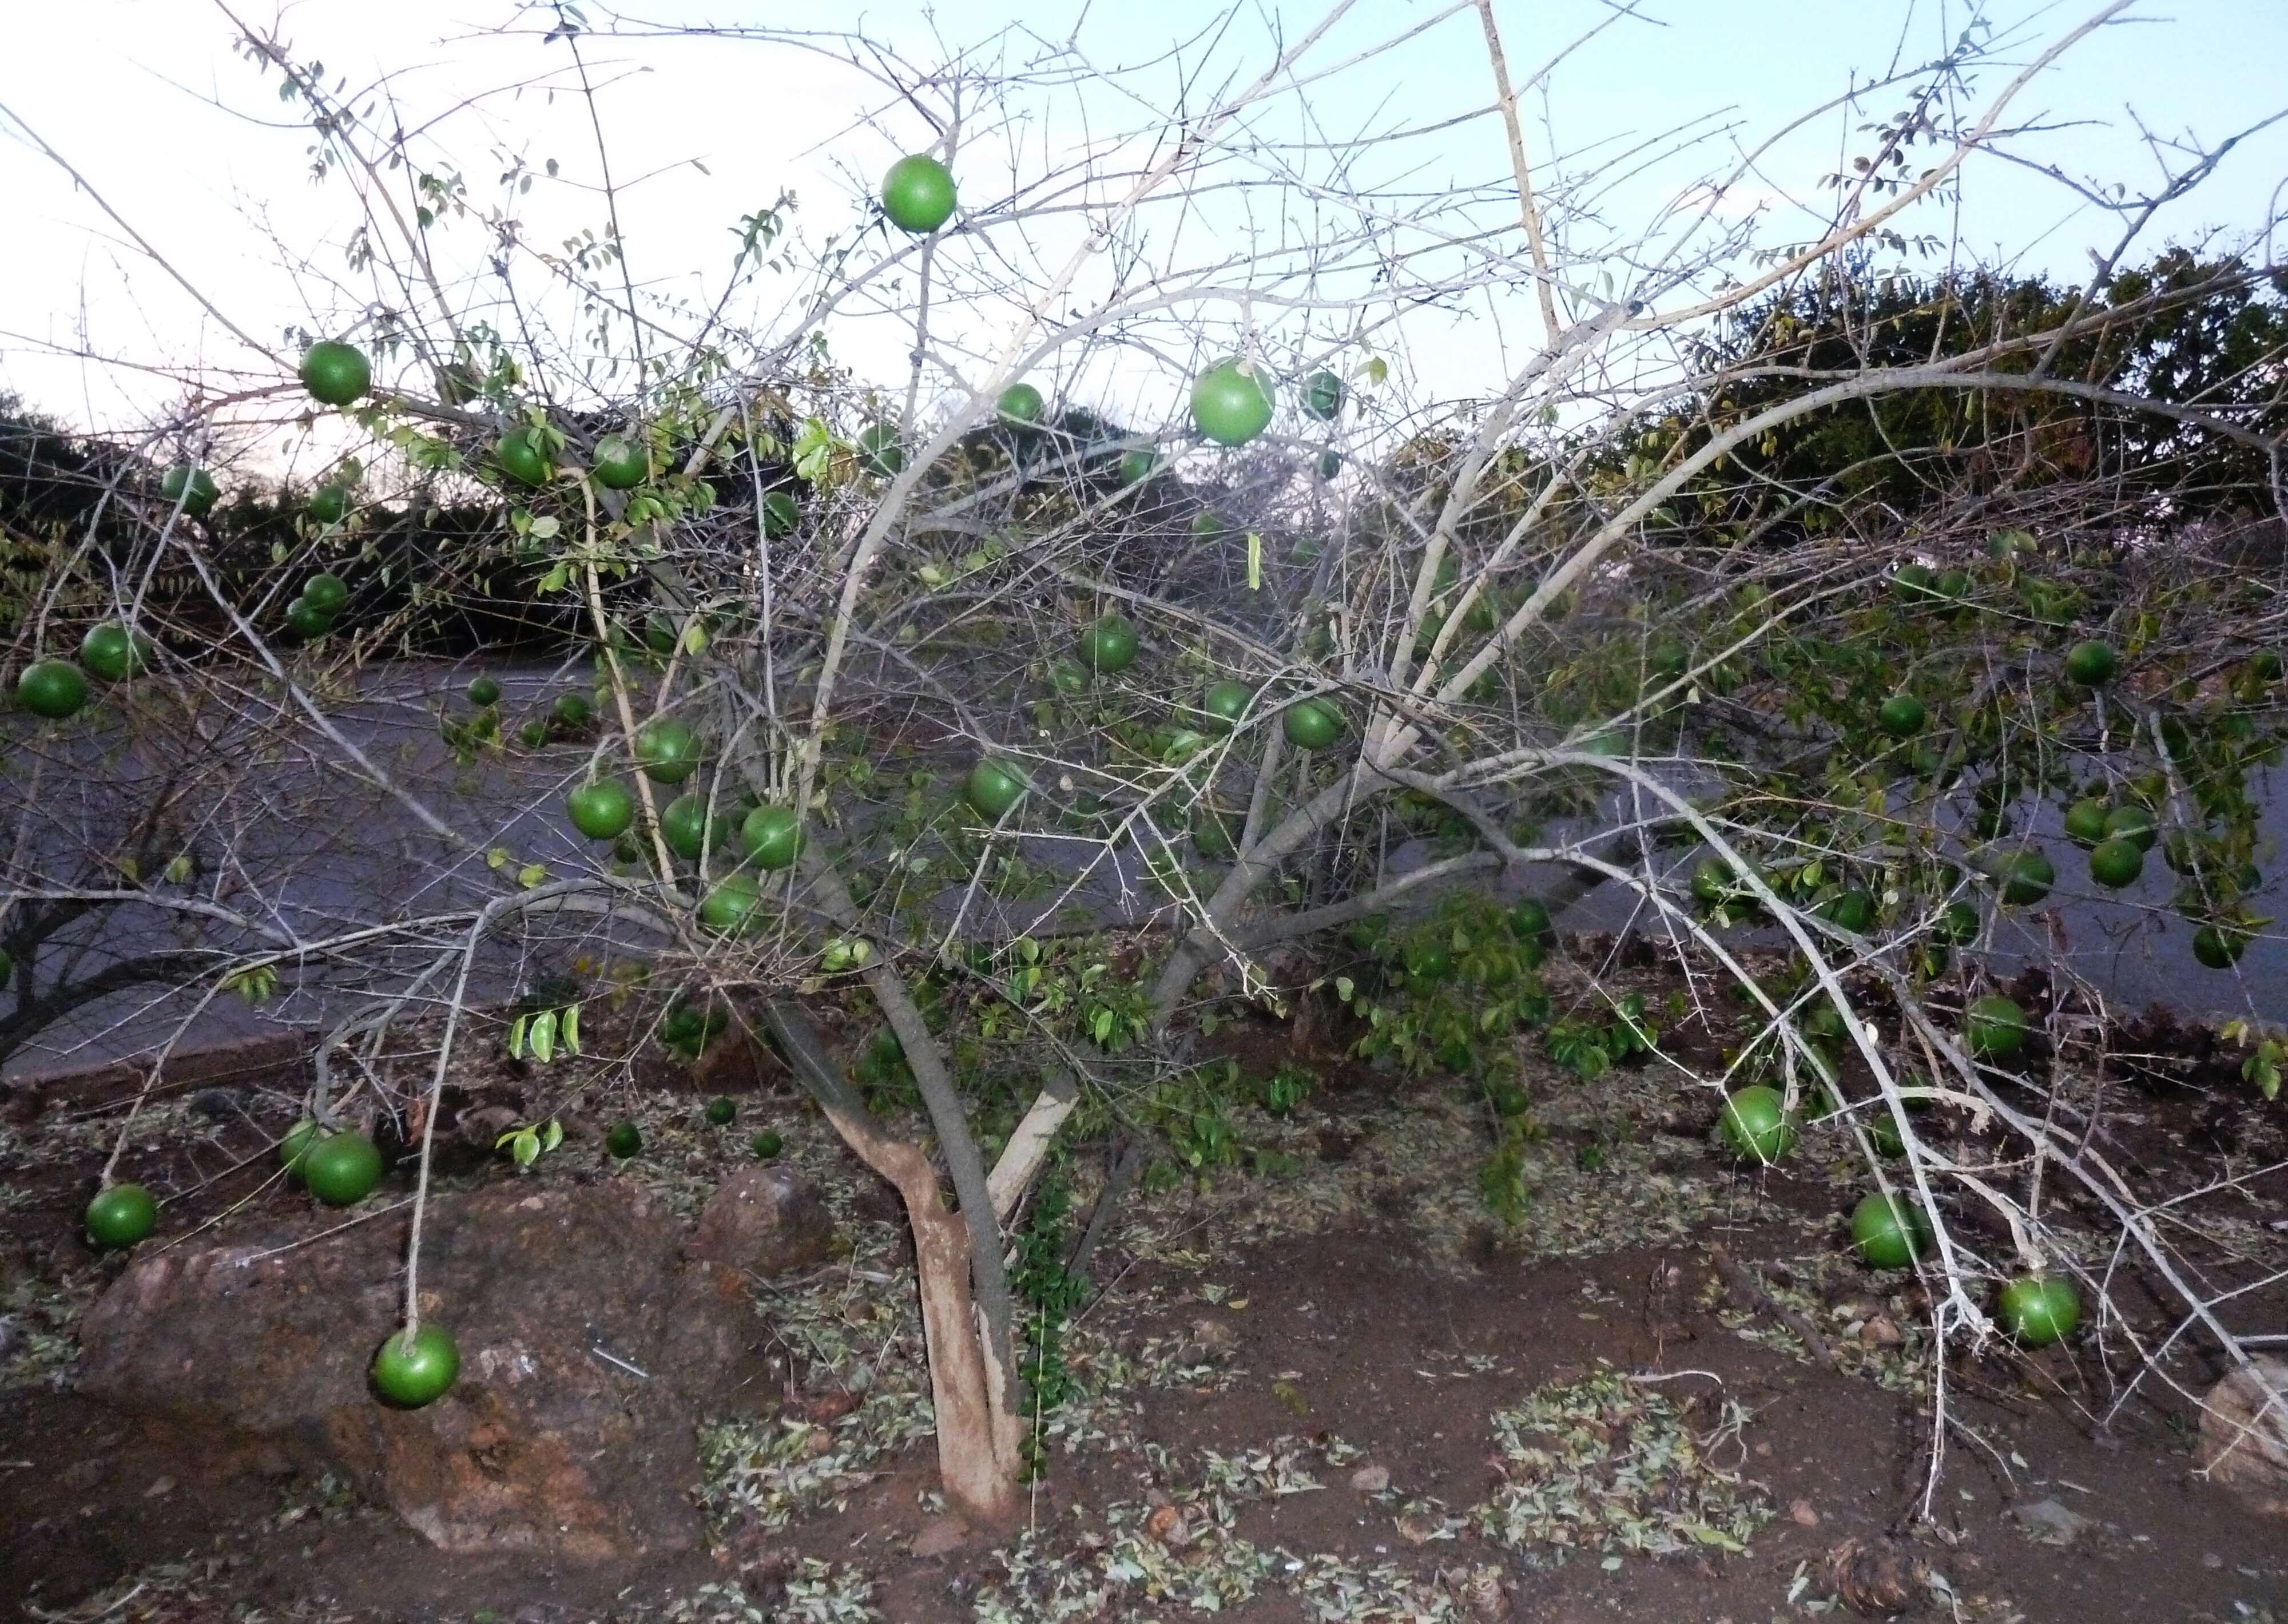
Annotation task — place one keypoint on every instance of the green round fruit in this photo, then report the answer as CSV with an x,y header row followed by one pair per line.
x,y
307,621
2026,878
2132,823
1109,646
2264,665
300,1140
780,514
114,651
720,1112
601,811
52,689
572,711
408,1371
1755,1123
621,462
625,1140
1902,716
120,1215
483,691
1953,583
1020,406
1854,911
1883,1136
919,194
1232,402
1509,1100
1207,524
342,1169
1914,581
2087,822
2117,862
1711,882
2037,1309
1958,924
1323,396
194,488
1312,724
522,456
765,1145
327,504
730,905
2092,663
684,825
772,837
667,750
880,452
993,788
1216,834
1331,463
1529,921
336,374
1137,466
327,593
1995,1028
2218,949
1224,704
1888,1230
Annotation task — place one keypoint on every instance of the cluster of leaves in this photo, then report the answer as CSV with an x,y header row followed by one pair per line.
x,y
1051,1292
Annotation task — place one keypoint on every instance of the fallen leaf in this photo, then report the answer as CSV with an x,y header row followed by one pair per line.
x,y
1166,1524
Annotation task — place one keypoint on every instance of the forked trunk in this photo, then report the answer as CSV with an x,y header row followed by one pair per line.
x,y
978,1435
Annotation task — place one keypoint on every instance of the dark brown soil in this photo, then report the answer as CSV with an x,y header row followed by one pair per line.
x,y
1348,1332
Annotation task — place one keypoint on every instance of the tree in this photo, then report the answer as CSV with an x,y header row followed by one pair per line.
x,y
861,652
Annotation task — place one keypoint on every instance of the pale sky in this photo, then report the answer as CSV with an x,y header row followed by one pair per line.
x,y
194,148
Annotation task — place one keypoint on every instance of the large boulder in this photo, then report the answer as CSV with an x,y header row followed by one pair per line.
x,y
763,1221
2244,1434
544,1444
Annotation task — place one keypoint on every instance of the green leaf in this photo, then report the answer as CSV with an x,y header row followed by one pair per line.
x,y
542,1036
569,1030
531,874
525,1148
552,1133
516,1037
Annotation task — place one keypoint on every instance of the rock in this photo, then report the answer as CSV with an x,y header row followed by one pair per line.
x,y
1371,1479
1802,1514
2049,1522
2244,1435
763,1221
940,1536
542,1446
1875,1577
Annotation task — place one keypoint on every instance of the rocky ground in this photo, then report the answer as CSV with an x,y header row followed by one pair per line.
x,y
1321,1383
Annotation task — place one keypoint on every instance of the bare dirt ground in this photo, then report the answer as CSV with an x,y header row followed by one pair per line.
x,y
1324,1386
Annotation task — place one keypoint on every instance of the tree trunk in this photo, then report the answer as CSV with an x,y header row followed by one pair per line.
x,y
979,1438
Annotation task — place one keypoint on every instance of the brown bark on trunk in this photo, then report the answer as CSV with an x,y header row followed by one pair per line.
x,y
979,1438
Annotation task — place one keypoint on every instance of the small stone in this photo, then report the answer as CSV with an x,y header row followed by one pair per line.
x,y
1802,1515
161,1487
1371,1479
2244,1435
763,1221
2048,1521
2212,1561
1880,1332
940,1536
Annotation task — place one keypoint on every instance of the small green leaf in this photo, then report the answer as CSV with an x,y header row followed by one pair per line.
x,y
526,1148
542,1036
516,1037
531,874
